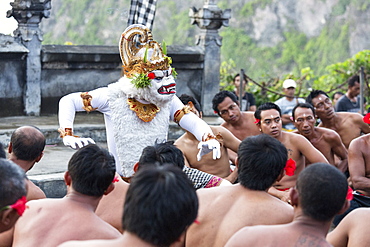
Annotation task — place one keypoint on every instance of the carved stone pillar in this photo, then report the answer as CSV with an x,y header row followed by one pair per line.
x,y
29,14
209,19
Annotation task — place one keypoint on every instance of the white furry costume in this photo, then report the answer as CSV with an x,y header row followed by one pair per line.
x,y
127,134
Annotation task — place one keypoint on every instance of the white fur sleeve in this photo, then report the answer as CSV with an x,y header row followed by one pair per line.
x,y
190,121
71,103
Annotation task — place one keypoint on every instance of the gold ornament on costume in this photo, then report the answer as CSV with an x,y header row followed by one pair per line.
x,y
145,112
86,99
140,54
180,113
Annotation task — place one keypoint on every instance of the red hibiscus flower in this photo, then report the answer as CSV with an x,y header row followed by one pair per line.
x,y
290,167
115,179
349,196
257,121
151,75
367,118
20,205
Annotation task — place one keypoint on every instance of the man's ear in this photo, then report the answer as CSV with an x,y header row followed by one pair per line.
x,y
346,205
236,162
10,147
293,194
109,189
136,166
39,157
190,104
8,218
67,178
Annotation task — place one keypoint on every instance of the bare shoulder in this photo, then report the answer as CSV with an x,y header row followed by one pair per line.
x,y
353,116
92,243
34,192
328,133
361,141
248,115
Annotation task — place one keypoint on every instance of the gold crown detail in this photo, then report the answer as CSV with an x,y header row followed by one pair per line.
x,y
140,54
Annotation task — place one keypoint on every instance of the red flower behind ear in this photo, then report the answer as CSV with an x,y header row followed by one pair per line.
x,y
257,121
366,118
115,180
151,75
290,167
349,196
20,205
215,112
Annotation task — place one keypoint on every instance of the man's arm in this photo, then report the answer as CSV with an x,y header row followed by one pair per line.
x,y
282,195
340,151
357,165
339,236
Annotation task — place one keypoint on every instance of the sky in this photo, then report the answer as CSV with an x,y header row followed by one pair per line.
x,y
7,25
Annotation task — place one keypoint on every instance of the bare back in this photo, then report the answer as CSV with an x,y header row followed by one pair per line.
x,y
292,234
348,125
225,210
188,144
353,230
50,222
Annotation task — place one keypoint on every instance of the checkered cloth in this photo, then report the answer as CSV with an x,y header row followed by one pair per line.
x,y
201,179
142,12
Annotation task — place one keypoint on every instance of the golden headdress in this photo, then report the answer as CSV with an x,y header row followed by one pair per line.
x,y
140,54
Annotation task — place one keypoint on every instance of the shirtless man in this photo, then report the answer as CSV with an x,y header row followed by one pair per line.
x,y
348,125
50,222
166,152
159,206
25,149
13,192
188,144
319,195
327,141
359,170
353,230
241,124
268,117
224,210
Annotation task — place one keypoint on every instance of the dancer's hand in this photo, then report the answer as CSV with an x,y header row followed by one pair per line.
x,y
77,142
208,146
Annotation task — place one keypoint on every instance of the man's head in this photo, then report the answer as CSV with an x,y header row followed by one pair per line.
x,y
27,143
269,116
192,103
353,86
261,159
236,80
91,170
160,204
304,118
289,86
161,153
225,104
13,188
335,97
321,103
322,191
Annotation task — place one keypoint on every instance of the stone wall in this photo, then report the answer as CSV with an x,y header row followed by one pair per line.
x,y
67,69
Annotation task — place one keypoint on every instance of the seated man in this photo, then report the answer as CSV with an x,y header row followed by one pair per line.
x,y
160,205
224,210
359,169
348,125
188,144
26,148
300,150
241,124
327,141
319,195
353,230
163,153
13,194
50,222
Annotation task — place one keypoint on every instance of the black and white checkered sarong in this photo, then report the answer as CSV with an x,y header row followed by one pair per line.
x,y
142,12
